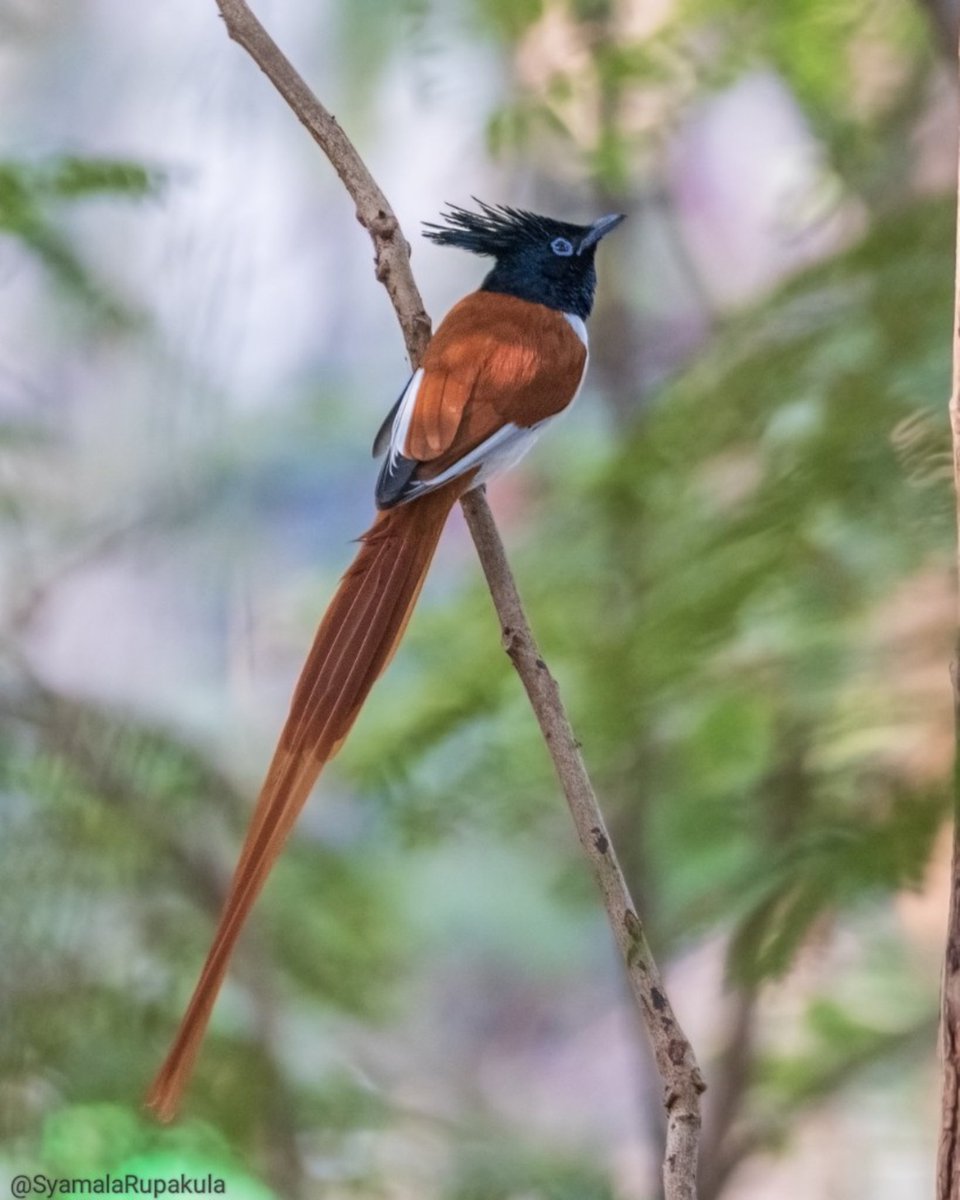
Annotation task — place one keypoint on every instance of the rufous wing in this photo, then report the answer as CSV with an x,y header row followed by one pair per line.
x,y
494,361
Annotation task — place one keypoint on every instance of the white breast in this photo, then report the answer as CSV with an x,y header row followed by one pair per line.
x,y
579,328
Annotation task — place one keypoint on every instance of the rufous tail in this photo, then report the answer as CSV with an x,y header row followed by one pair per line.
x,y
355,641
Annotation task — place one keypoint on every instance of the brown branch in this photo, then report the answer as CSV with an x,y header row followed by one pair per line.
x,y
391,250
673,1054
948,1152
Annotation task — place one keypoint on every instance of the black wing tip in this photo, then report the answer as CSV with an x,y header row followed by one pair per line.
x,y
394,481
381,442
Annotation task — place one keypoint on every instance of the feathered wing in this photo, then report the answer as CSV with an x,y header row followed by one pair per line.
x,y
355,641
496,367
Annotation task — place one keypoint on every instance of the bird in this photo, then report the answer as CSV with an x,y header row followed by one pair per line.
x,y
506,361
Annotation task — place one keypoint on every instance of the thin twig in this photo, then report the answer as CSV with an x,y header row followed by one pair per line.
x,y
391,250
676,1064
948,1153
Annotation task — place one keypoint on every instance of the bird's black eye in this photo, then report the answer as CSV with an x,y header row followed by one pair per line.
x,y
562,247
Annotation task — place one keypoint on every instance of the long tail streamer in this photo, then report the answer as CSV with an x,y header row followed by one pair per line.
x,y
355,641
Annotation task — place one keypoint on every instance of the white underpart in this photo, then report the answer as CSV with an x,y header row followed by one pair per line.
x,y
499,452
579,328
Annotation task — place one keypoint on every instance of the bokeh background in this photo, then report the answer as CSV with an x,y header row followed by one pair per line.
x,y
736,552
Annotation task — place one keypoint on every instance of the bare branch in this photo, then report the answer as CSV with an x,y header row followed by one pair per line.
x,y
391,250
676,1064
948,1154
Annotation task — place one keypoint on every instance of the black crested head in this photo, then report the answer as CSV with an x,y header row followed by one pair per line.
x,y
537,258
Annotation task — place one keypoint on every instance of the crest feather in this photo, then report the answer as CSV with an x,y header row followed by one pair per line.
x,y
496,229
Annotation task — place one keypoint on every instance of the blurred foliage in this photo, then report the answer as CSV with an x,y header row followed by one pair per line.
x,y
830,54
112,823
713,593
95,1140
858,71
489,1173
33,193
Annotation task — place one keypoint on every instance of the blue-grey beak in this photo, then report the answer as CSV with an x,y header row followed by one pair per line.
x,y
600,229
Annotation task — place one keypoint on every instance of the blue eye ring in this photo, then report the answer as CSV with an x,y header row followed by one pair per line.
x,y
562,247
